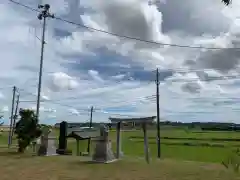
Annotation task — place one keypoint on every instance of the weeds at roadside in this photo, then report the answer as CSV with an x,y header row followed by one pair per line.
x,y
233,161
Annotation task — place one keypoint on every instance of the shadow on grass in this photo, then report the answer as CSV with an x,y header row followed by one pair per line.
x,y
91,163
16,155
9,153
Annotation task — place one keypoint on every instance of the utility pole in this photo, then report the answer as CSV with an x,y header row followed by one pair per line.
x,y
15,116
158,115
43,15
90,125
11,118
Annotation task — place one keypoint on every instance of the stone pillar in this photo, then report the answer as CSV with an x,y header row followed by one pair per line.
x,y
119,141
62,140
146,149
103,150
42,151
78,150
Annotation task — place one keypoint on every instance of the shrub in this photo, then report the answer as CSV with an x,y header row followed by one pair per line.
x,y
27,129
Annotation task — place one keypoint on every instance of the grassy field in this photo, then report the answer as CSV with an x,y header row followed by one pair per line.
x,y
175,144
186,155
178,144
73,168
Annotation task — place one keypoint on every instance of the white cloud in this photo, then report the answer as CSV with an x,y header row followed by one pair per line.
x,y
61,81
5,109
1,96
95,75
74,111
73,81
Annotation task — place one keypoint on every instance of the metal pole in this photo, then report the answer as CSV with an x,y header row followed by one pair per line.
x,y
158,116
43,15
40,70
90,125
15,116
11,118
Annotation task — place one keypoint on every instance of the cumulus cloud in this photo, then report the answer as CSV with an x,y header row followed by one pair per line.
x,y
192,87
61,81
74,111
85,68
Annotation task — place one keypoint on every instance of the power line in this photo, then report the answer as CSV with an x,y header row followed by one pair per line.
x,y
141,40
170,79
25,6
103,85
133,102
74,98
123,36
101,109
71,22
208,79
96,110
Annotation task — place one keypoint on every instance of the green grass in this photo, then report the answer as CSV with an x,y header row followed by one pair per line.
x,y
178,156
25,167
178,144
183,146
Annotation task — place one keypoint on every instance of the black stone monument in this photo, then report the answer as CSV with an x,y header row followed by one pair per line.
x,y
62,140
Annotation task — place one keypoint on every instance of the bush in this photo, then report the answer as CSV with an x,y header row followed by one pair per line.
x,y
27,129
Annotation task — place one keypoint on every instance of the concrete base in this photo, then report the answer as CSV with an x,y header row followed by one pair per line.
x,y
52,155
104,162
63,152
84,154
103,152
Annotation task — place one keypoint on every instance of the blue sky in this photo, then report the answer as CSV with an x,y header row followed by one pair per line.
x,y
85,68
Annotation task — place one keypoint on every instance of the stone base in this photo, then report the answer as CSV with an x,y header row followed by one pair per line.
x,y
42,151
120,155
104,162
84,154
52,154
103,152
63,152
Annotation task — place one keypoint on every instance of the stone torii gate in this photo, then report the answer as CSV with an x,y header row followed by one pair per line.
x,y
144,121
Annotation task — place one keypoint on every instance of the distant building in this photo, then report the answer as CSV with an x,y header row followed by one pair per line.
x,y
57,125
76,124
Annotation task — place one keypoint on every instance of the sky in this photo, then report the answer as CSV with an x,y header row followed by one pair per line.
x,y
84,68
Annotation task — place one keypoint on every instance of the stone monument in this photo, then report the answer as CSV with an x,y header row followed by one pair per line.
x,y
47,144
62,140
103,151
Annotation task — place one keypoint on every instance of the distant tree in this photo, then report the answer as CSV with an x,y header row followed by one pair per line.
x,y
27,129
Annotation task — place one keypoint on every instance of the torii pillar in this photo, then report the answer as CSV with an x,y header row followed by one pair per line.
x,y
143,121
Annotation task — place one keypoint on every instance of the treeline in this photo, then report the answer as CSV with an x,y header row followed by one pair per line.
x,y
207,126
